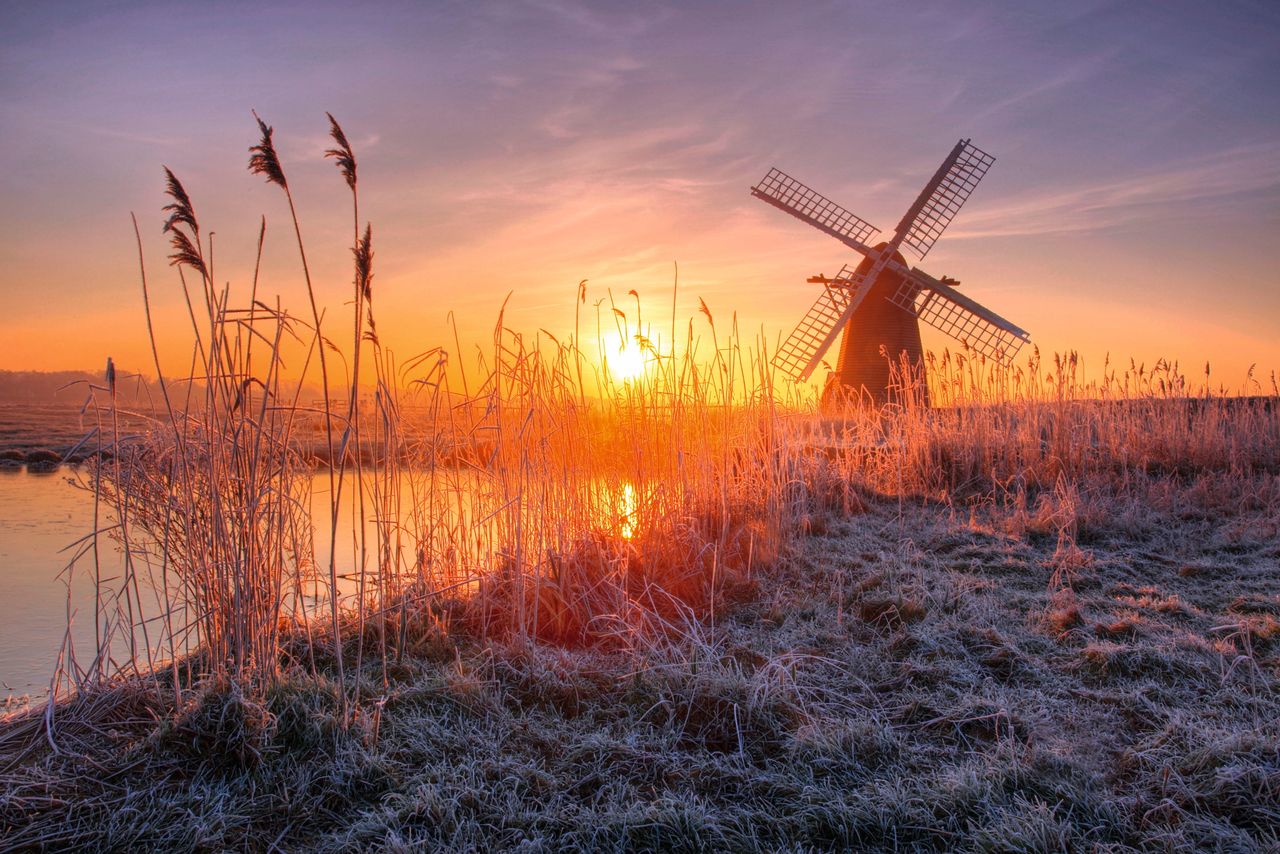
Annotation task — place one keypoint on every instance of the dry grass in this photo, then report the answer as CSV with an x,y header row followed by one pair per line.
x,y
684,612
793,724
571,506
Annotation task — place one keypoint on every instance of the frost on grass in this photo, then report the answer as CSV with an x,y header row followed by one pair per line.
x,y
1043,615
909,679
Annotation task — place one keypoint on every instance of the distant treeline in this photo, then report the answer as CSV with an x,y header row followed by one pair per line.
x,y
71,387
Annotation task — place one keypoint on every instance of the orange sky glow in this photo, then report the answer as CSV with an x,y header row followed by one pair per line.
x,y
518,148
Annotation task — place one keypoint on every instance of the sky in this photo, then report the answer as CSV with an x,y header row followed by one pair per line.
x,y
513,149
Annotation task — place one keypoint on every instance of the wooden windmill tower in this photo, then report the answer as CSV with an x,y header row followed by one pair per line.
x,y
880,303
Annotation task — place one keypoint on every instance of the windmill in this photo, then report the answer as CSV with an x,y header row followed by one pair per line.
x,y
880,303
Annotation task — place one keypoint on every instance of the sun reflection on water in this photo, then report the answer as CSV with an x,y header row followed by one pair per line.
x,y
627,508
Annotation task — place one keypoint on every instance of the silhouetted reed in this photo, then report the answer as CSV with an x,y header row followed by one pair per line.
x,y
539,494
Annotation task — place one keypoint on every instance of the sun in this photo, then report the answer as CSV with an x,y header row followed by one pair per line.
x,y
627,364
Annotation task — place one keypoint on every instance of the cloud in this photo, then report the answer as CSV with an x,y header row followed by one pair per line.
x,y
1078,72
620,22
1144,198
312,146
131,136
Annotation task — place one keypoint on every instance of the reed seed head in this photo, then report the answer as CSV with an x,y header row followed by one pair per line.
x,y
702,307
343,155
262,157
180,210
185,252
364,263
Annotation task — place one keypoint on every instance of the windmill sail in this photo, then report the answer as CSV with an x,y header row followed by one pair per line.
x,y
943,197
872,328
946,309
817,330
786,193
814,334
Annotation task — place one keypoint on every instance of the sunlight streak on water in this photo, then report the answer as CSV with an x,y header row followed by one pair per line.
x,y
41,514
627,508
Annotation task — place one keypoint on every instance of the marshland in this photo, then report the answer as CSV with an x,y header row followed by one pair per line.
x,y
629,589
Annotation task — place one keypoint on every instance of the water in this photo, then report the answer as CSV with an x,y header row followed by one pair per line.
x,y
43,514
40,515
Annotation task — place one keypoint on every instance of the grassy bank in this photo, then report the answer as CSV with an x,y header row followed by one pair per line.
x,y
912,678
672,609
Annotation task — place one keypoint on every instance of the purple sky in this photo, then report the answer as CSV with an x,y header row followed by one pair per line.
x,y
1134,206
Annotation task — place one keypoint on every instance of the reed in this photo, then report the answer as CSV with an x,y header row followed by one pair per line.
x,y
535,495
517,601
564,503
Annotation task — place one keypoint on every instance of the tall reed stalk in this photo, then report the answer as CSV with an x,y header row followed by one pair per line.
x,y
533,493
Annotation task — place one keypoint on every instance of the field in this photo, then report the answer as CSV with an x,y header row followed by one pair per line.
x,y
667,608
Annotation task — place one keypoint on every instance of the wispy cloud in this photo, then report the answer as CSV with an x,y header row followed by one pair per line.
x,y
1038,91
133,136
1150,196
312,146
624,20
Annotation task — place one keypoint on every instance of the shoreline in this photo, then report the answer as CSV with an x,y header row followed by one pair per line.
x,y
906,676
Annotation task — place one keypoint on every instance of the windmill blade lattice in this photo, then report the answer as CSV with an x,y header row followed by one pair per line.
x,y
946,309
803,349
943,197
925,298
786,193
